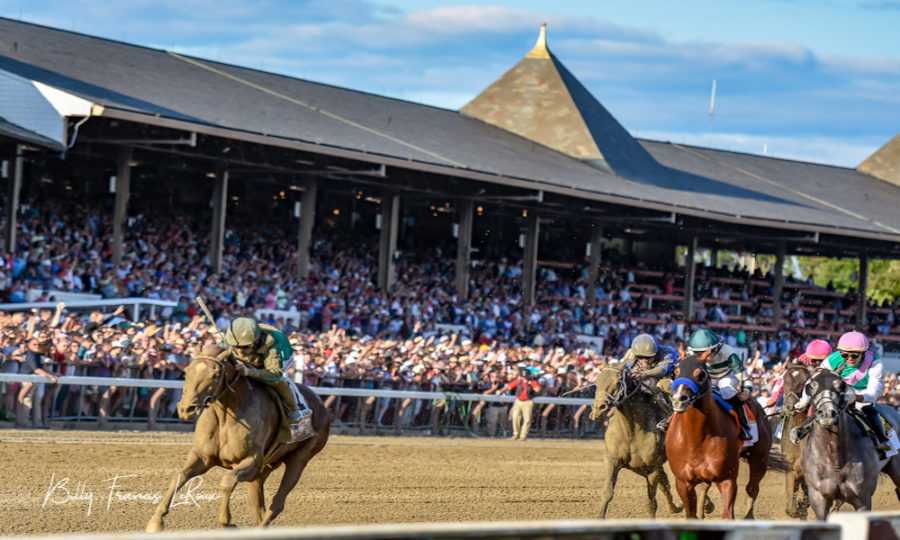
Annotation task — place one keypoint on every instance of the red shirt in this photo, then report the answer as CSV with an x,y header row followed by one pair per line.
x,y
524,386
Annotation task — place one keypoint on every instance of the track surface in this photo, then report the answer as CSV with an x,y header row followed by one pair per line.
x,y
355,480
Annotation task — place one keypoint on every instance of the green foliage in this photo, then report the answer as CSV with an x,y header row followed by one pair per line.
x,y
884,275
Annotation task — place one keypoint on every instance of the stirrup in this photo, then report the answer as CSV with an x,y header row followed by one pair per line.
x,y
745,434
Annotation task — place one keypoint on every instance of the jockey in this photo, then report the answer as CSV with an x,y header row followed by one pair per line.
x,y
653,365
265,355
816,351
723,365
863,371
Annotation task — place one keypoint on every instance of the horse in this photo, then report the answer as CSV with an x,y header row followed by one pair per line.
x,y
795,377
237,428
632,439
839,461
702,443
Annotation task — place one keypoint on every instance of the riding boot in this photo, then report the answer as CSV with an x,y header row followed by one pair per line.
x,y
798,433
874,421
285,390
742,418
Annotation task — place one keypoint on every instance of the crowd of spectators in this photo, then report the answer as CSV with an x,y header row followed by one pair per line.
x,y
348,333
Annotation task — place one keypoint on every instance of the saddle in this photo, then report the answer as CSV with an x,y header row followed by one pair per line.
x,y
288,432
751,419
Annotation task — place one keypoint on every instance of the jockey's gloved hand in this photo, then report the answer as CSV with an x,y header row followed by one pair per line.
x,y
802,403
850,396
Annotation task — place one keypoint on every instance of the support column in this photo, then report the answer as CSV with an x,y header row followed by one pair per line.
x,y
307,219
529,275
12,198
689,272
778,273
861,299
217,234
464,249
594,265
390,217
123,192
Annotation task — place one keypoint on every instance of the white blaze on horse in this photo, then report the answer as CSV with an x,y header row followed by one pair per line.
x,y
240,429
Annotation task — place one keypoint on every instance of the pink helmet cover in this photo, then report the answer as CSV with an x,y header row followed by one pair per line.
x,y
853,341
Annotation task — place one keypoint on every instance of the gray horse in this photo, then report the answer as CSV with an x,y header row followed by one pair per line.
x,y
632,440
839,461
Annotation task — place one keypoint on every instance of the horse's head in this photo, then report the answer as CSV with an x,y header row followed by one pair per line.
x,y
204,381
827,391
611,389
692,382
794,379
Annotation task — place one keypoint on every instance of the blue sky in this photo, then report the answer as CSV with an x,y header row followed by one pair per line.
x,y
815,80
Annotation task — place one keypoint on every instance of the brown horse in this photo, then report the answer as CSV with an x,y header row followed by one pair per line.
x,y
237,429
795,378
702,443
632,440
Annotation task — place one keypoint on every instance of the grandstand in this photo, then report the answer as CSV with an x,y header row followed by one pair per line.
x,y
177,131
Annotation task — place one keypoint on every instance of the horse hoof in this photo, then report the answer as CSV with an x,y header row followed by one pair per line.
x,y
676,509
154,526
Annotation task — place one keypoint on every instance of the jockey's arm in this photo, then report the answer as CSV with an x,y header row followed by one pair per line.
x,y
271,370
664,366
875,387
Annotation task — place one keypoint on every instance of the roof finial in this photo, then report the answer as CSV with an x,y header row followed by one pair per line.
x,y
540,49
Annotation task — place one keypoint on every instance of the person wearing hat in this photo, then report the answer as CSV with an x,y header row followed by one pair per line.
x,y
525,388
815,352
724,367
265,354
863,372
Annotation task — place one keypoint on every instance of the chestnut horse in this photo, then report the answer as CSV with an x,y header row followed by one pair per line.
x,y
702,443
237,430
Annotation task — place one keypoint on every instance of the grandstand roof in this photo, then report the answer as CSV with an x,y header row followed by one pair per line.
x,y
884,163
162,88
541,100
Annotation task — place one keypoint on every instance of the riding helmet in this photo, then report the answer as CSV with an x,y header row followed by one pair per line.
x,y
702,340
818,349
242,332
644,345
853,341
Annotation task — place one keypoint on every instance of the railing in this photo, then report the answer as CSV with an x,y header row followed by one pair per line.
x,y
134,302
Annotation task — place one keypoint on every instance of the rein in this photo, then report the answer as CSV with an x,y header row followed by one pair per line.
x,y
622,394
822,398
697,394
209,400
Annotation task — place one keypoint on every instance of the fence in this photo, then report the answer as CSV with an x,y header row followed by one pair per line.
x,y
582,529
449,414
135,302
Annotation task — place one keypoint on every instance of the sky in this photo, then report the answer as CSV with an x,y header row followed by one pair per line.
x,y
813,80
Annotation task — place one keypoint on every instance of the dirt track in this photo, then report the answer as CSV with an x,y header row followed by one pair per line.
x,y
355,480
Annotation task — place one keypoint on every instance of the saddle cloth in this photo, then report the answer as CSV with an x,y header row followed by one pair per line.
x,y
751,421
860,420
297,431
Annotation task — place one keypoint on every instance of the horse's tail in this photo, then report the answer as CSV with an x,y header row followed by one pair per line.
x,y
777,462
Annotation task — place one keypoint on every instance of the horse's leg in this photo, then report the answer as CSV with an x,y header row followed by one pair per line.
x,y
802,499
892,469
791,489
728,490
703,496
193,466
244,471
666,488
256,496
819,504
293,468
652,481
758,463
612,474
688,497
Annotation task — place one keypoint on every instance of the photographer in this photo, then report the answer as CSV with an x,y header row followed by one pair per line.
x,y
526,388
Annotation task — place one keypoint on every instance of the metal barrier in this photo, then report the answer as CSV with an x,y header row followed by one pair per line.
x,y
321,390
584,529
134,302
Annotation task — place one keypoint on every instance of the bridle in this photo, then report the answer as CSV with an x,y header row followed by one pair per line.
x,y
797,397
622,393
697,391
823,397
220,378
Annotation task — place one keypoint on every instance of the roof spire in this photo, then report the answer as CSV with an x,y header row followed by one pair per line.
x,y
540,49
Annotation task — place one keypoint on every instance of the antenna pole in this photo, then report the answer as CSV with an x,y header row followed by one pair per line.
x,y
712,112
